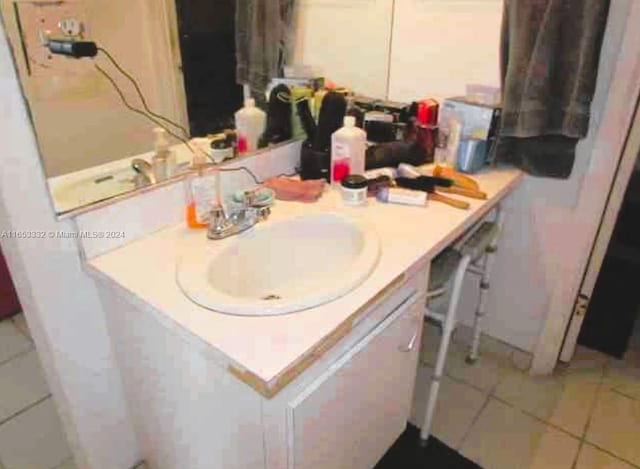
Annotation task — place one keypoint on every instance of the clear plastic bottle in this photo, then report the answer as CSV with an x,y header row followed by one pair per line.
x,y
453,143
251,122
202,190
348,148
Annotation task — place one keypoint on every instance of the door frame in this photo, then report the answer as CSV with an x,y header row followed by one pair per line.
x,y
626,167
610,139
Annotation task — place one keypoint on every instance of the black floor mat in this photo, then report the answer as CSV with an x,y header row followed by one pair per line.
x,y
407,453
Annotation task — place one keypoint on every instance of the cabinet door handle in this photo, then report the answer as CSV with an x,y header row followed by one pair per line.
x,y
412,343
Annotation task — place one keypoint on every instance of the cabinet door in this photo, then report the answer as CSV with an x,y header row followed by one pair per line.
x,y
351,415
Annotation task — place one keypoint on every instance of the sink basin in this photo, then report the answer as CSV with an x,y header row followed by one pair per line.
x,y
281,267
94,188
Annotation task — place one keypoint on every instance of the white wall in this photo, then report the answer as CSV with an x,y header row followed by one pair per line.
x,y
437,46
440,46
60,301
346,41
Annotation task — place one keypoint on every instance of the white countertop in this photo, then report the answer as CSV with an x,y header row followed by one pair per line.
x,y
144,270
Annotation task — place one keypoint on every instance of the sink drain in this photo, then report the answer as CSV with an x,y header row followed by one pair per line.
x,y
271,297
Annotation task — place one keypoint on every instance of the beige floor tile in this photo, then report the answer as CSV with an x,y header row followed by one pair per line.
x,y
521,360
593,458
587,359
68,464
485,374
458,406
22,383
615,426
564,401
12,342
624,377
555,450
488,345
34,439
505,438
21,323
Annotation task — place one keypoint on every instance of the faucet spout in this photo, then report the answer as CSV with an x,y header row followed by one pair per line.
x,y
223,226
145,170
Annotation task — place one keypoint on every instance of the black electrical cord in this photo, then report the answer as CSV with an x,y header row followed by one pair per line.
x,y
150,115
139,111
155,118
169,131
140,94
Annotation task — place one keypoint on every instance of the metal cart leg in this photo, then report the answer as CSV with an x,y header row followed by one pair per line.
x,y
447,330
487,262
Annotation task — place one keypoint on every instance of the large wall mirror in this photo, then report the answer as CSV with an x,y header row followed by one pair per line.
x,y
181,55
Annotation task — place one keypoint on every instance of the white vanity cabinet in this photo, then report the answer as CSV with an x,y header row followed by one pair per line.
x,y
350,415
344,410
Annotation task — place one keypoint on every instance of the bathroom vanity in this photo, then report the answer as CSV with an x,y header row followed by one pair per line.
x,y
327,387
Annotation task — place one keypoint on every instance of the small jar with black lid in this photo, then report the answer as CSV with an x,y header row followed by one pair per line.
x,y
354,190
221,149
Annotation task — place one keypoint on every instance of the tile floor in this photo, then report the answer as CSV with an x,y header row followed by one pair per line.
x,y
586,416
31,435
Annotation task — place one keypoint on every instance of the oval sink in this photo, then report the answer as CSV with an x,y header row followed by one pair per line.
x,y
94,188
281,267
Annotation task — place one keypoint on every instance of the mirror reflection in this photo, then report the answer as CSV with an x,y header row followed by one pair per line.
x,y
159,84
126,94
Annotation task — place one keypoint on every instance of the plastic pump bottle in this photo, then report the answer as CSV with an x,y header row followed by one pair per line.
x,y
163,162
348,148
251,122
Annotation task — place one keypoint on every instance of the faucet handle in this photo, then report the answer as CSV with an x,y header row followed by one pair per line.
x,y
263,212
249,199
217,217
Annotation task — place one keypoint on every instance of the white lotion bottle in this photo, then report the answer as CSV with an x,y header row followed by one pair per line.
x,y
251,122
348,149
163,162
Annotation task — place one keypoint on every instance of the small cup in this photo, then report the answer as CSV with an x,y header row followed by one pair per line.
x,y
472,155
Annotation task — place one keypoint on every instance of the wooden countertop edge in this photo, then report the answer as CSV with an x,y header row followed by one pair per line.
x,y
269,389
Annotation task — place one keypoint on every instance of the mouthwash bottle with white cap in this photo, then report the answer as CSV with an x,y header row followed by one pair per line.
x,y
348,148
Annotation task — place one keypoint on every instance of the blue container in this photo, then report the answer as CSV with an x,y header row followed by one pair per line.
x,y
472,155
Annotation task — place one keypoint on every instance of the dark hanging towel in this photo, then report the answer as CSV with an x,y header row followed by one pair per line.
x,y
550,52
263,38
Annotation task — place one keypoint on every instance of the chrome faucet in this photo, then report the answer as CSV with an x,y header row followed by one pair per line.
x,y
144,170
222,225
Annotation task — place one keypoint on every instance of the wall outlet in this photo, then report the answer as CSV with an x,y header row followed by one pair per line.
x,y
42,21
71,27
